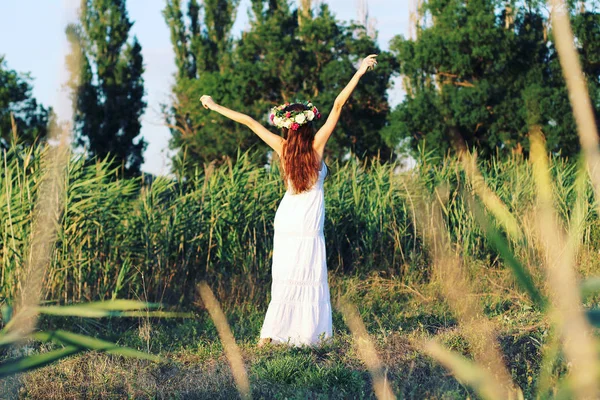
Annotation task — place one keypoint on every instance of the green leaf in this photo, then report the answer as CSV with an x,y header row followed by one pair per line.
x,y
28,363
122,305
522,275
73,343
94,312
75,339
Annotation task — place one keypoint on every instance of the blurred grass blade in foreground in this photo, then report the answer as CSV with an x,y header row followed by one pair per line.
x,y
366,351
481,380
232,351
90,343
577,337
94,312
578,91
491,201
24,364
522,275
73,343
457,288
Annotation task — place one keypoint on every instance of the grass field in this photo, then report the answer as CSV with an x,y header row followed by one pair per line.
x,y
398,317
125,239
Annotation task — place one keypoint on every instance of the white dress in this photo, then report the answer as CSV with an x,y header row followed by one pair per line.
x,y
300,309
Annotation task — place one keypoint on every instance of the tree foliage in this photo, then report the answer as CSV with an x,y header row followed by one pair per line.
x,y
286,54
18,104
481,73
110,89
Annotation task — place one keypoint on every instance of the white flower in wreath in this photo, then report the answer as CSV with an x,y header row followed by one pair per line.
x,y
309,115
287,124
277,121
300,118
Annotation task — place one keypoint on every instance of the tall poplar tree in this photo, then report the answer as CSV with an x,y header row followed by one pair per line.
x,y
286,54
202,44
110,101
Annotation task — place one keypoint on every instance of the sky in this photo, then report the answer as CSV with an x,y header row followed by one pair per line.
x,y
32,40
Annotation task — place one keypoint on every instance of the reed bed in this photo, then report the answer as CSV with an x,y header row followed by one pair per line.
x,y
156,239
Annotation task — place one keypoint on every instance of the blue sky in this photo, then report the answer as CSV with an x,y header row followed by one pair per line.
x,y
33,41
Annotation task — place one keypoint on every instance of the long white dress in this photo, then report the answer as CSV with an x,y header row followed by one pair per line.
x,y
300,309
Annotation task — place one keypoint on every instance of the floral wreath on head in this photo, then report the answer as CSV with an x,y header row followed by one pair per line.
x,y
293,119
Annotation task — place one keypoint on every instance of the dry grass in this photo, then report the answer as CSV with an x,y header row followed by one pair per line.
x,y
366,351
47,211
200,369
232,351
457,290
567,310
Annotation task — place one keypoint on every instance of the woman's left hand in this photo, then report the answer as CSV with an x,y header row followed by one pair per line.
x,y
368,64
207,102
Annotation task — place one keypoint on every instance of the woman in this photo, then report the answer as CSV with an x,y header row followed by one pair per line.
x,y
300,310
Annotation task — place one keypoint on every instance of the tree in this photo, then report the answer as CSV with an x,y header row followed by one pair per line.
x,y
110,91
586,26
203,48
293,53
286,54
480,74
16,101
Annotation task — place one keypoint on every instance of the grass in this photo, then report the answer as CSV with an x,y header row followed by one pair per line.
x,y
397,318
123,238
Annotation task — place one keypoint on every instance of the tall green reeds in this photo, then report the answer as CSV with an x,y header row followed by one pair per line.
x,y
123,237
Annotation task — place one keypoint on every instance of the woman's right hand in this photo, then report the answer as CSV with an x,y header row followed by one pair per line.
x,y
207,102
368,62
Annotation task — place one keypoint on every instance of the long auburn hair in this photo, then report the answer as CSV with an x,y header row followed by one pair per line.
x,y
300,161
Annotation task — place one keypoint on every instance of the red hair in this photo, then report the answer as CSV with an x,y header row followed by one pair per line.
x,y
300,161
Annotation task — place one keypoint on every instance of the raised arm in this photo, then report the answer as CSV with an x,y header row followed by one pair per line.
x,y
273,140
322,136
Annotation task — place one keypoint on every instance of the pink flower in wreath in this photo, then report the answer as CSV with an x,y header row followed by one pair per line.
x,y
272,117
295,126
288,114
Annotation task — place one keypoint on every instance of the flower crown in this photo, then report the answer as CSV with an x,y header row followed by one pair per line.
x,y
293,119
